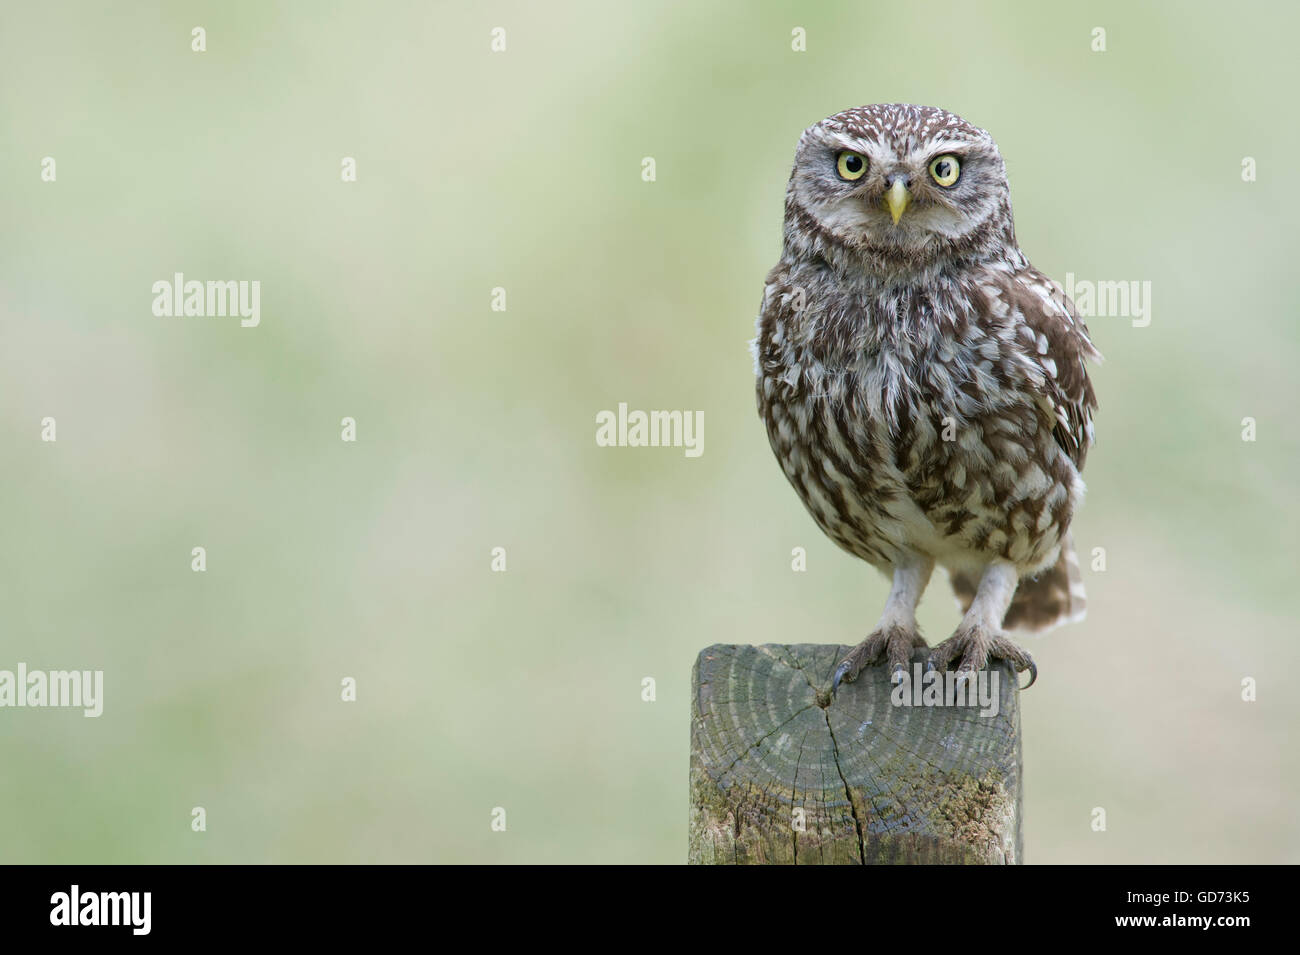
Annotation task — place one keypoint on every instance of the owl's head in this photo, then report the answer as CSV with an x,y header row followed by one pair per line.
x,y
898,187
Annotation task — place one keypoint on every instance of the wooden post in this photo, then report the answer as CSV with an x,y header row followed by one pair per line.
x,y
876,783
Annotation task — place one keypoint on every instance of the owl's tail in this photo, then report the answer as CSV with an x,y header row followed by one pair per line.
x,y
1053,597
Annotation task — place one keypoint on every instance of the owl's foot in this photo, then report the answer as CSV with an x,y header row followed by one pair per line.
x,y
972,647
893,644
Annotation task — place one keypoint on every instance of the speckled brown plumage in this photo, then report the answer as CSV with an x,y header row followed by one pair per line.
x,y
924,387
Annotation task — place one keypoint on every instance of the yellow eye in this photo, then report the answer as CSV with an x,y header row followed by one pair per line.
x,y
945,169
851,166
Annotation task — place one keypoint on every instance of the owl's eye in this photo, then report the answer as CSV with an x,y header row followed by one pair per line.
x,y
851,166
945,169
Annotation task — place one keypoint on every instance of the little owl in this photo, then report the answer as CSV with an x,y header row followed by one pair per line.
x,y
923,386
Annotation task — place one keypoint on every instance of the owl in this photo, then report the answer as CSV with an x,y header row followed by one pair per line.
x,y
924,387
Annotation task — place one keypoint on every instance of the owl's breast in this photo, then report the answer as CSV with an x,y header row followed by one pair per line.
x,y
828,430
894,452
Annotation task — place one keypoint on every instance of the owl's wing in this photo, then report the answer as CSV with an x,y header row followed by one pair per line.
x,y
1055,341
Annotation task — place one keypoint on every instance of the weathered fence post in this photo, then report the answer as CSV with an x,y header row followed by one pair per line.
x,y
781,772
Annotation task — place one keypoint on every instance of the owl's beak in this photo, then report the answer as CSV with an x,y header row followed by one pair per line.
x,y
897,199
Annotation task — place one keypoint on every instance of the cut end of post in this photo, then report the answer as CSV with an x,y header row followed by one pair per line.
x,y
782,771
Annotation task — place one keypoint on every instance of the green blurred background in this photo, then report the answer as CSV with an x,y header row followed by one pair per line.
x,y
476,428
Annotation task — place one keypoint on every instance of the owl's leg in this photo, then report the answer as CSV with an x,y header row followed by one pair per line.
x,y
896,635
979,636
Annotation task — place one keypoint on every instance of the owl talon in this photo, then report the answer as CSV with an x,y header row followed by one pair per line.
x,y
1033,673
974,647
891,644
840,671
